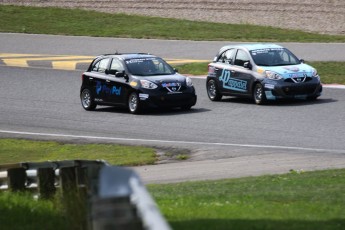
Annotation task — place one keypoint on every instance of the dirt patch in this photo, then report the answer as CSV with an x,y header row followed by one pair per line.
x,y
321,16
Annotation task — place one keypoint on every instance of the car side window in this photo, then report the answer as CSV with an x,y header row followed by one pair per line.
x,y
116,66
241,58
101,65
227,56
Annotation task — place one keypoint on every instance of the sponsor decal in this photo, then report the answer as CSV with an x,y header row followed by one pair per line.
x,y
269,86
103,88
116,91
143,96
232,83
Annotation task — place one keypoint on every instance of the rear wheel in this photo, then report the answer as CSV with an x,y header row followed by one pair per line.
x,y
134,103
259,94
87,100
212,90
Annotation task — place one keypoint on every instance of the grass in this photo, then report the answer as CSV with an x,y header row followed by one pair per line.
x,y
310,200
13,151
78,22
330,72
295,201
20,212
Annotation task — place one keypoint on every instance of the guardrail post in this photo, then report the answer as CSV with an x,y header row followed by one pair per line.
x,y
68,180
16,179
46,181
74,201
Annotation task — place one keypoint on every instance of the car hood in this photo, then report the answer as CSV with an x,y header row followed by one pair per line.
x,y
289,71
159,79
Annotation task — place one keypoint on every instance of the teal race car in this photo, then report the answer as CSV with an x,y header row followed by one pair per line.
x,y
262,72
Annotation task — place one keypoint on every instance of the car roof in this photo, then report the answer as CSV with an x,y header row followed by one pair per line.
x,y
251,46
126,55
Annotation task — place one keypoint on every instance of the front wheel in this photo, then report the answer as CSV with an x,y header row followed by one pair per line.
x,y
134,103
87,100
259,94
212,90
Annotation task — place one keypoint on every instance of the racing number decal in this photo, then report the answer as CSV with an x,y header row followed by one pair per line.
x,y
232,83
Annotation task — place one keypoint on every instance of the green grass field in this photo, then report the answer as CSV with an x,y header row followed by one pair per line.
x,y
298,200
12,151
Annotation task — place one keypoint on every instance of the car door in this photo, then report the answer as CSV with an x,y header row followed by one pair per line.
x,y
241,74
223,69
97,79
118,85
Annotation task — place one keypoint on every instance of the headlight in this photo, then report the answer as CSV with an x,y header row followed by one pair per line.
x,y
273,75
189,82
315,73
148,84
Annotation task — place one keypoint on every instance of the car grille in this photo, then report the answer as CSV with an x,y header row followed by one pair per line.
x,y
173,87
299,89
298,79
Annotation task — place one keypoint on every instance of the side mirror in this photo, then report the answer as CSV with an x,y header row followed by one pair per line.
x,y
247,65
122,74
301,60
176,70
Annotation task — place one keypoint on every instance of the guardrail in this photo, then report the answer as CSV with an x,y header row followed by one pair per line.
x,y
114,196
45,177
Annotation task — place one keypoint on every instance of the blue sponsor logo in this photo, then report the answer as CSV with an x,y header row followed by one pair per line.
x,y
232,83
102,88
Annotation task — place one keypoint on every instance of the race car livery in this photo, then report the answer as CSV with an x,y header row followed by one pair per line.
x,y
262,72
136,81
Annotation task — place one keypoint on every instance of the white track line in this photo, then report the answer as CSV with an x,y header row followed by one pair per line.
x,y
172,142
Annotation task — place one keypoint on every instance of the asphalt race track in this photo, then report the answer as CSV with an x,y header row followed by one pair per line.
x,y
231,138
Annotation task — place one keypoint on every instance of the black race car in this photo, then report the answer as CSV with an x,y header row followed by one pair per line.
x,y
262,72
137,81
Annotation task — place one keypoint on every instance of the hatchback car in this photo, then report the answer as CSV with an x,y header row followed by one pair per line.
x,y
262,72
136,81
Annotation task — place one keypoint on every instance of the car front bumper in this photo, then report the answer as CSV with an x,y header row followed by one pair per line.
x,y
282,90
182,99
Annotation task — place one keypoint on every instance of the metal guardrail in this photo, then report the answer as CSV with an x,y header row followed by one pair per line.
x,y
46,177
133,207
115,196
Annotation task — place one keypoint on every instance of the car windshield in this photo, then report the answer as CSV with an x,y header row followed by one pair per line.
x,y
274,57
148,66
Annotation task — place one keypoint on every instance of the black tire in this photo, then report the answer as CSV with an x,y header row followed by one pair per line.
x,y
134,103
212,90
87,100
259,94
